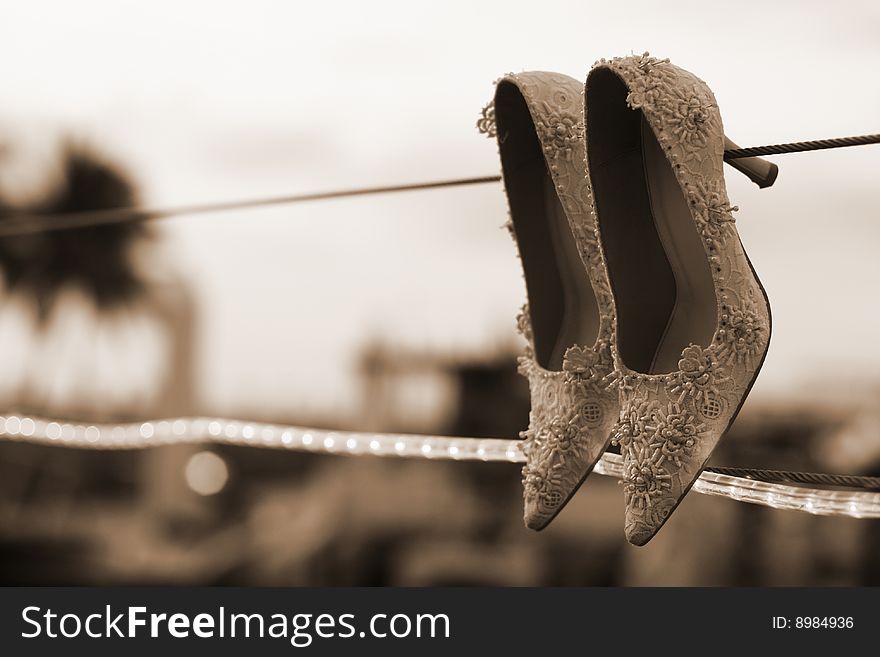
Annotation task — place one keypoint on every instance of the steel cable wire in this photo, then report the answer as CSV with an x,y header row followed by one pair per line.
x,y
26,224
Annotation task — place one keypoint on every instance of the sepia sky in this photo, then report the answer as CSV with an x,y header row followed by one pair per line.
x,y
212,101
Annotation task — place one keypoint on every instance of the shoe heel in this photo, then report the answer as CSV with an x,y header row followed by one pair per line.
x,y
760,171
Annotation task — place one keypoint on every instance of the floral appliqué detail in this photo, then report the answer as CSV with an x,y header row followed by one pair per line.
x,y
698,377
713,211
689,118
580,361
486,123
559,133
560,436
741,335
524,324
586,362
540,483
646,63
674,433
645,480
647,85
630,428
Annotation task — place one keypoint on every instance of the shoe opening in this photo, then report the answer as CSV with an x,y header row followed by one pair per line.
x,y
658,269
562,304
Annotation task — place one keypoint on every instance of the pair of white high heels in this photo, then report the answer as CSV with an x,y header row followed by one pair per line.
x,y
646,322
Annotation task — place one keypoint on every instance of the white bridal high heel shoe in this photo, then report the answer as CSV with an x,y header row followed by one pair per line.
x,y
569,319
693,321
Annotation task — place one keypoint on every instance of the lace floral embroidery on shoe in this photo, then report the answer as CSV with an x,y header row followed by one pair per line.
x,y
647,87
651,435
559,132
486,123
653,86
697,378
646,73
540,483
567,410
713,211
580,361
741,335
589,413
524,324
690,118
631,426
645,62
674,433
560,436
644,478
587,363
524,328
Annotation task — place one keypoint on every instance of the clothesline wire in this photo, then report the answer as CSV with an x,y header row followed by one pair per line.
x,y
29,224
23,225
801,146
794,477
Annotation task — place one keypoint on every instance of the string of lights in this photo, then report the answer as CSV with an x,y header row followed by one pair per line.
x,y
203,430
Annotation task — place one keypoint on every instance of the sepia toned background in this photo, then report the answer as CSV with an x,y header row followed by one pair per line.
x,y
393,312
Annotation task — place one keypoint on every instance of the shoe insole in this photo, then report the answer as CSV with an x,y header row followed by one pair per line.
x,y
694,311
579,323
562,304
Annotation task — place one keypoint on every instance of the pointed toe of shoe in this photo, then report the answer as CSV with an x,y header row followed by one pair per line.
x,y
639,536
534,517
642,523
540,510
637,533
550,482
